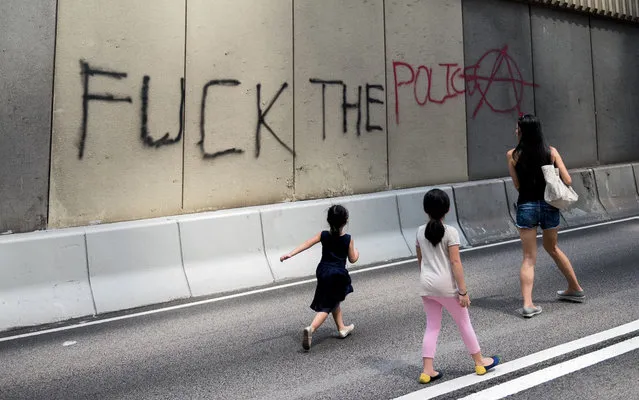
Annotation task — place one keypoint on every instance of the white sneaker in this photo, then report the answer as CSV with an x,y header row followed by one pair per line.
x,y
308,338
346,331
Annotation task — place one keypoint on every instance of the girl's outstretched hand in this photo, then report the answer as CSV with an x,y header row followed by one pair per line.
x,y
464,301
285,257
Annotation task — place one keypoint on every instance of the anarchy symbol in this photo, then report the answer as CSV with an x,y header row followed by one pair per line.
x,y
504,73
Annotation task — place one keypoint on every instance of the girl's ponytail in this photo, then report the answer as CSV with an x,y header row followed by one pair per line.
x,y
334,229
436,205
434,231
337,218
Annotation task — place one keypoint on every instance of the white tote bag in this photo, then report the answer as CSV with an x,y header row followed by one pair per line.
x,y
557,193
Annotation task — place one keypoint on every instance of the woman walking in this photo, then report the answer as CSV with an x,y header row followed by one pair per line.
x,y
524,164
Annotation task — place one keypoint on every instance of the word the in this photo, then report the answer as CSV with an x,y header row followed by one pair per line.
x,y
347,106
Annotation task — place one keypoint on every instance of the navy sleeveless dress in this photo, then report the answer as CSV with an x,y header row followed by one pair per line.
x,y
333,280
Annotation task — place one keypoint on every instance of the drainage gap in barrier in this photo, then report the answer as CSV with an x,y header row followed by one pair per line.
x,y
188,284
86,257
401,228
268,261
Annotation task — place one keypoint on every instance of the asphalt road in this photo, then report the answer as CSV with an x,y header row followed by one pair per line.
x,y
250,347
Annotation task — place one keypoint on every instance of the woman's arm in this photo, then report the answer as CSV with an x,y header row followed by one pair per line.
x,y
511,168
303,247
563,171
458,274
419,255
353,253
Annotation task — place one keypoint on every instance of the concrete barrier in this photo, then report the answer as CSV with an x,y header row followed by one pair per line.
x,y
223,251
588,209
482,210
43,278
412,216
373,223
52,276
511,197
512,194
285,227
134,264
617,190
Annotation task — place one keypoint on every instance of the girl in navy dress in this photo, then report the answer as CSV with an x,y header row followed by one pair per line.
x,y
333,280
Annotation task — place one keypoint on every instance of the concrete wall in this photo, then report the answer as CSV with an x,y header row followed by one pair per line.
x,y
240,162
337,149
27,39
102,168
499,81
564,99
615,49
426,111
174,107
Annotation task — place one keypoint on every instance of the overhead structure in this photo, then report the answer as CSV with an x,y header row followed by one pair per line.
x,y
620,9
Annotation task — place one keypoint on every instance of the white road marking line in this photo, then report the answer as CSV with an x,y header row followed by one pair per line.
x,y
521,363
547,374
268,289
69,343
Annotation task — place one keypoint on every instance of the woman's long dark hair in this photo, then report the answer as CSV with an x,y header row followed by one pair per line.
x,y
337,218
436,205
532,151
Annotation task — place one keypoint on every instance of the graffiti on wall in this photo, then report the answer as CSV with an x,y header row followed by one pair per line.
x,y
261,119
495,67
346,106
87,72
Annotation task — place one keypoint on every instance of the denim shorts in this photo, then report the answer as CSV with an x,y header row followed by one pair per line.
x,y
537,213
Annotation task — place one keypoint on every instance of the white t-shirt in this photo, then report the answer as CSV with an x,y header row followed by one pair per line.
x,y
436,276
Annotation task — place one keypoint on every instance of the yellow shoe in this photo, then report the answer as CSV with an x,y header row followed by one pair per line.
x,y
481,370
424,378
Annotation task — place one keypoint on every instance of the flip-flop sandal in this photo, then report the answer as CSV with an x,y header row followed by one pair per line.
x,y
481,370
423,378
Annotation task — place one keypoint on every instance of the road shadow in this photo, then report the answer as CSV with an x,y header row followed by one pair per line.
x,y
322,341
502,304
510,306
393,367
405,370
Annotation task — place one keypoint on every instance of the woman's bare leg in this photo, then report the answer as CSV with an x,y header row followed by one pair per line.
x,y
563,263
527,272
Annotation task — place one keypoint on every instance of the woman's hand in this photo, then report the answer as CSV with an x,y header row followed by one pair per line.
x,y
464,301
285,257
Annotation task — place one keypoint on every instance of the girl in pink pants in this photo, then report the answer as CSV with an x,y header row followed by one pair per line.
x,y
442,285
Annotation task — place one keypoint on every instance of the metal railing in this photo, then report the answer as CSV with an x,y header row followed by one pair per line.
x,y
621,9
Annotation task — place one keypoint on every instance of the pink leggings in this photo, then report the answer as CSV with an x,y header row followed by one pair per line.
x,y
433,309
